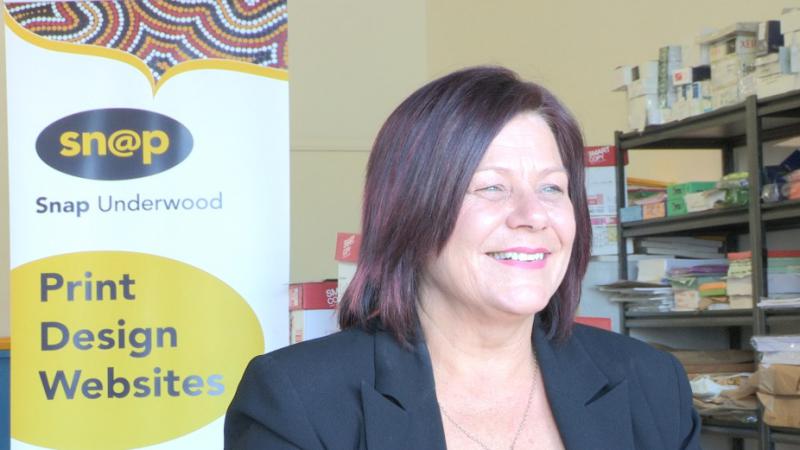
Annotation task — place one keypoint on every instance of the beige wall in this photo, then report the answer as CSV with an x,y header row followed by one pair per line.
x,y
352,61
572,46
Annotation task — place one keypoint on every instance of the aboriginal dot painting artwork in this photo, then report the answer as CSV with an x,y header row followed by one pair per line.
x,y
165,33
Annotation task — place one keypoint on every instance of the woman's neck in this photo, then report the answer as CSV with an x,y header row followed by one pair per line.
x,y
461,346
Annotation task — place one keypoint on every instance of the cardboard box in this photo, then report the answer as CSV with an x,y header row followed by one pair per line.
x,y
654,210
642,86
703,201
643,111
645,70
348,246
601,190
688,75
623,76
779,379
311,324
729,70
723,96
631,213
739,38
681,189
776,84
769,37
780,410
773,63
313,295
791,39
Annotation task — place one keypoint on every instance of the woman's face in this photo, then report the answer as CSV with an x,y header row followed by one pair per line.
x,y
513,237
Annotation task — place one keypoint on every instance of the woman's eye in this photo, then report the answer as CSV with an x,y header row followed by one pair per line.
x,y
492,188
552,189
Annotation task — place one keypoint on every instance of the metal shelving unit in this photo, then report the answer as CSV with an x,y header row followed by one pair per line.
x,y
748,125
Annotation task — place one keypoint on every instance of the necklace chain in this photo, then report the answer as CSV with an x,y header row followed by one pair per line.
x,y
521,426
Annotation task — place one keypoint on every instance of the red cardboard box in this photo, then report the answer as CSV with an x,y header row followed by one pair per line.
x,y
598,322
347,247
313,295
601,156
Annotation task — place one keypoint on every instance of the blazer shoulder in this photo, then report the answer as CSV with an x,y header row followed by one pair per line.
x,y
614,350
348,351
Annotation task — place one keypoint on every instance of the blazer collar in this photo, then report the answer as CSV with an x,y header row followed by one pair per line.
x,y
401,410
590,405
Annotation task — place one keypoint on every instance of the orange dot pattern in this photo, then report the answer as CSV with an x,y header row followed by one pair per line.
x,y
164,33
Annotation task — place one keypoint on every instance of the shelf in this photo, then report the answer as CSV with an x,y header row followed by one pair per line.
x,y
786,212
780,118
776,316
731,429
712,220
708,130
779,214
785,435
676,319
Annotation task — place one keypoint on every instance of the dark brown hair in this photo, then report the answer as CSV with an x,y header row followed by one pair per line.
x,y
421,164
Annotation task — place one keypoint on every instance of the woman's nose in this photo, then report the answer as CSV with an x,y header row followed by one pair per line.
x,y
527,211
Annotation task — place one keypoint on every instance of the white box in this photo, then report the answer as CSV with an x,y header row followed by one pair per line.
x,y
643,111
623,76
308,324
643,86
775,84
724,95
794,58
731,69
773,63
791,39
647,69
790,21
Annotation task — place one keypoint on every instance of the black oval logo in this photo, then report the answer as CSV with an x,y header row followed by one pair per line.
x,y
114,144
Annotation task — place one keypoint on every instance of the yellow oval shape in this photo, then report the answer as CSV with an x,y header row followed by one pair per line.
x,y
118,350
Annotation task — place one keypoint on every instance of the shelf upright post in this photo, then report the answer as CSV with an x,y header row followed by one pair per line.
x,y
622,254
757,236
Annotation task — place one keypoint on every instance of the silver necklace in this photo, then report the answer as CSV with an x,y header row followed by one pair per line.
x,y
480,443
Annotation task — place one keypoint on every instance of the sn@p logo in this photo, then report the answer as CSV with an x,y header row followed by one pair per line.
x,y
114,144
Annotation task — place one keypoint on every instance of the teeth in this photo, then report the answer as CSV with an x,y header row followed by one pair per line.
x,y
514,256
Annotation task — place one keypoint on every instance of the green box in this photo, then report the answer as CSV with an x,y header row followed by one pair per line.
x,y
681,189
676,206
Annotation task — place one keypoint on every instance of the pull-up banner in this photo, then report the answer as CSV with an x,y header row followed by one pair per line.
x,y
149,207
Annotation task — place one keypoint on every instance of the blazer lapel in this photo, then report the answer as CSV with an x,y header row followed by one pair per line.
x,y
591,407
400,410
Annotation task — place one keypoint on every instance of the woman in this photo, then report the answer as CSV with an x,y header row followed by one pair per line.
x,y
458,324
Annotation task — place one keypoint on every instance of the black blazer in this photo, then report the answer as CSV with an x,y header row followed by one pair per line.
x,y
356,390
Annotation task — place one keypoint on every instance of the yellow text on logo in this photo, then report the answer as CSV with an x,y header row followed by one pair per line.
x,y
121,143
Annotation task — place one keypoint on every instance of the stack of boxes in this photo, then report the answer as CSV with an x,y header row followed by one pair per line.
x,y
692,87
312,310
721,69
732,52
778,379
641,85
669,60
676,195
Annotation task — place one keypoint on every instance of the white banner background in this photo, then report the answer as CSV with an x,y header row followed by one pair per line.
x,y
239,124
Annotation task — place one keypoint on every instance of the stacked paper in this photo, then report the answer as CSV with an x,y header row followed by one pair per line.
x,y
638,296
783,279
700,286
778,379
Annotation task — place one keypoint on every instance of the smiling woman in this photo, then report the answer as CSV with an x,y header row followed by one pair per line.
x,y
458,324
